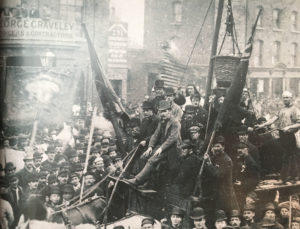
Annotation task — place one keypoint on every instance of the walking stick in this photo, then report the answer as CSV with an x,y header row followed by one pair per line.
x,y
88,151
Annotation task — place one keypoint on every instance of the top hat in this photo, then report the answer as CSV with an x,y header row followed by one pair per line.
x,y
164,105
234,213
159,84
197,213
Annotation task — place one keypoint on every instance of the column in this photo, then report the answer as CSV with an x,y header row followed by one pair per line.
x,y
270,87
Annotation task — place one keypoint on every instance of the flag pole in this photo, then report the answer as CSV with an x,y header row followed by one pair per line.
x,y
88,151
290,211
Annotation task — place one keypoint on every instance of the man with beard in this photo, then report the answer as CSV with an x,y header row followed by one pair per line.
x,y
235,218
37,160
24,174
220,168
164,143
248,216
289,123
89,181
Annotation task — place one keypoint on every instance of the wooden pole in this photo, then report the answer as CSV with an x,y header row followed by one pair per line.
x,y
88,151
213,52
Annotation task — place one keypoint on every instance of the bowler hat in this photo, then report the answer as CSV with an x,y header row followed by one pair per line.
x,y
178,211
33,177
169,91
147,105
197,213
219,91
164,105
190,109
219,139
63,173
159,84
220,215
148,220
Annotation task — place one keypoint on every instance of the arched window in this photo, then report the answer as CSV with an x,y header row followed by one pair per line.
x,y
258,59
276,52
294,54
260,19
294,18
276,18
177,11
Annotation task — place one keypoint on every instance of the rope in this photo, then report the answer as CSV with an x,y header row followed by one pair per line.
x,y
194,46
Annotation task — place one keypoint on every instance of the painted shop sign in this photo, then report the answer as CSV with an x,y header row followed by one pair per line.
x,y
37,29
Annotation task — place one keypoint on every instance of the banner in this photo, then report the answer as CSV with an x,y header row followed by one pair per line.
x,y
31,92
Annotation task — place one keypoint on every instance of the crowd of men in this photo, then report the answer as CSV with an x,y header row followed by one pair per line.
x,y
166,148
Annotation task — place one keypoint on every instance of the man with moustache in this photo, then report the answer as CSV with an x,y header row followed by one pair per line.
x,y
24,174
163,143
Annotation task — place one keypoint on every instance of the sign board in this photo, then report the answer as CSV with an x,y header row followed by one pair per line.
x,y
35,29
117,43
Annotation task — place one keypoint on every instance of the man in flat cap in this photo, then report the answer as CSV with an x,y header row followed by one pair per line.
x,y
176,110
219,165
188,119
148,223
162,145
188,169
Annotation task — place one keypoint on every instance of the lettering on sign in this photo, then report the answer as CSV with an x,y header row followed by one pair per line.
x,y
37,29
